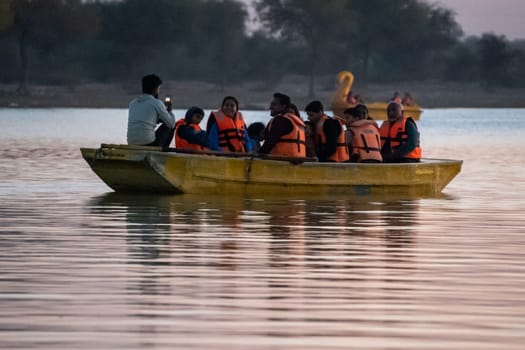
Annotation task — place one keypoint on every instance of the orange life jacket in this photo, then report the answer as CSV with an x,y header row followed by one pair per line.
x,y
341,152
183,143
366,141
397,135
232,133
292,144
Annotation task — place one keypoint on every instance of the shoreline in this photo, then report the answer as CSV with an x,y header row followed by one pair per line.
x,y
252,95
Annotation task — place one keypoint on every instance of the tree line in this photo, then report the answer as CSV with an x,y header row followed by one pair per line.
x,y
69,42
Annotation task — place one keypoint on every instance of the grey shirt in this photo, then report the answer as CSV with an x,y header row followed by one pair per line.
x,y
145,112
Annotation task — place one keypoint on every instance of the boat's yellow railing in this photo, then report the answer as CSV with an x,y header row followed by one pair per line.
x,y
294,160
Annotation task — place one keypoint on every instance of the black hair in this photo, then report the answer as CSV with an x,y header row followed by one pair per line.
x,y
314,106
150,83
283,99
360,111
254,129
192,111
230,98
295,110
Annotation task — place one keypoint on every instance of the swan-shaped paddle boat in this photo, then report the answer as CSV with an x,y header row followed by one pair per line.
x,y
376,110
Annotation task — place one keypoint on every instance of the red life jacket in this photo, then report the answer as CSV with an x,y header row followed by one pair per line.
x,y
232,133
183,143
341,153
292,144
396,134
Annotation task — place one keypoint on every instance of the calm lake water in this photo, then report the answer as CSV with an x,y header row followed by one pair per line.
x,y
84,268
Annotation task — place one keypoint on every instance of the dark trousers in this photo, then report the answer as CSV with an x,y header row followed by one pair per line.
x,y
163,137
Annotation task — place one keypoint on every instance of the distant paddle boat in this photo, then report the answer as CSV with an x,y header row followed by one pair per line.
x,y
376,110
147,169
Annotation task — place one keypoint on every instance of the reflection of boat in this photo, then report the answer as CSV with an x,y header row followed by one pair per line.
x,y
377,110
146,169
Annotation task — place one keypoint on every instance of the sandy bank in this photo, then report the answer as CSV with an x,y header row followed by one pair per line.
x,y
254,95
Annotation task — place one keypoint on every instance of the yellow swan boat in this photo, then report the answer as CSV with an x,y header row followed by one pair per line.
x,y
376,110
147,169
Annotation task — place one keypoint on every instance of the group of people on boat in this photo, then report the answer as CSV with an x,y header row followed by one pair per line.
x,y
353,137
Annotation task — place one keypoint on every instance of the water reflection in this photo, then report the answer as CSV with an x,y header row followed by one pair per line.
x,y
288,242
295,229
212,269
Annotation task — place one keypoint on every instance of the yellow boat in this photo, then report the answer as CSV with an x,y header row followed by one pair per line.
x,y
147,169
376,110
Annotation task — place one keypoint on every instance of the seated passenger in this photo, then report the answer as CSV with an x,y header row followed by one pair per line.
x,y
226,128
309,139
353,99
408,100
284,134
294,110
362,136
256,134
396,98
329,134
188,133
145,112
399,137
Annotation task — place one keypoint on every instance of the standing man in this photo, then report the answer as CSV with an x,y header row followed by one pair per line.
x,y
145,112
329,134
284,134
399,137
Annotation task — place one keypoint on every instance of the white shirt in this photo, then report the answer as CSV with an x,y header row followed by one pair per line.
x,y
145,112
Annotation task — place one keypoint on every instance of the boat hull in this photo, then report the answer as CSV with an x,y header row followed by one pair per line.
x,y
137,170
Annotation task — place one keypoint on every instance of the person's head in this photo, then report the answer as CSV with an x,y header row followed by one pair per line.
x,y
256,131
230,106
151,84
315,111
350,115
280,104
407,99
358,112
294,110
194,115
394,111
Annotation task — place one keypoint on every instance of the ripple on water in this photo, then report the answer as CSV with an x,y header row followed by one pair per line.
x,y
80,269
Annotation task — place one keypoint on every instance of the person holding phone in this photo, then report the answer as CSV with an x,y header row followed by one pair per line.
x,y
150,122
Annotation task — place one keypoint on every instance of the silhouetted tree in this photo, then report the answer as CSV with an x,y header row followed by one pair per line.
x,y
6,15
400,34
308,21
226,20
495,60
46,24
462,63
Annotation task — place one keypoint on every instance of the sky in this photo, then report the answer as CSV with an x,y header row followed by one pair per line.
x,y
503,17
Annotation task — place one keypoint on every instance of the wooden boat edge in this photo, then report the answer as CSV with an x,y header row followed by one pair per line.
x,y
155,177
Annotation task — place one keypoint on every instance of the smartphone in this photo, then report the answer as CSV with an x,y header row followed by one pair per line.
x,y
167,99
